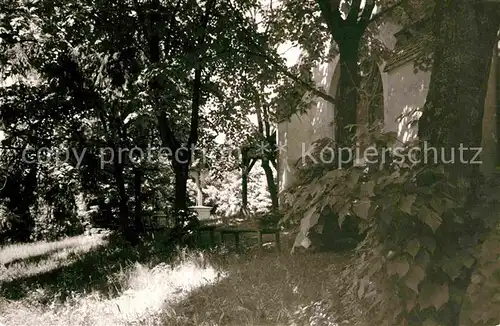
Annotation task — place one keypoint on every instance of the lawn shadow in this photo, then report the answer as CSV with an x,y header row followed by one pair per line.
x,y
95,270
31,259
265,289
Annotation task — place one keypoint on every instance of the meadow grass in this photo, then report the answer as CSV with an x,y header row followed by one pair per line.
x,y
269,289
154,284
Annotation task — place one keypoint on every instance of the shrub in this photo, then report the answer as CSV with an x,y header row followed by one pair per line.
x,y
424,231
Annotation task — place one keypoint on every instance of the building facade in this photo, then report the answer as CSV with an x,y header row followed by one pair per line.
x,y
404,91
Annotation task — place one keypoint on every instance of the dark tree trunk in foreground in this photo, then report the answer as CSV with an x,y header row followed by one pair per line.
x,y
181,171
347,112
466,32
347,33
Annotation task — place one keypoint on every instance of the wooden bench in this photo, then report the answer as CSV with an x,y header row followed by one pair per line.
x,y
236,231
155,222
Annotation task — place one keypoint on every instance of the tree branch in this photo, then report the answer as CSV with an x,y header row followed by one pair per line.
x,y
331,14
258,111
366,14
385,11
296,79
353,15
166,133
196,102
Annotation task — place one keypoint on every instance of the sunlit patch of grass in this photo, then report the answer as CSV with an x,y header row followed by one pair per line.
x,y
144,292
16,252
50,255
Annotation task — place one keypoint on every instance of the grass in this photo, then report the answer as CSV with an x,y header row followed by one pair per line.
x,y
267,290
18,252
143,293
23,261
110,284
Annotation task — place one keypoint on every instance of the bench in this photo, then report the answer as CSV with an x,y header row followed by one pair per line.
x,y
236,231
155,222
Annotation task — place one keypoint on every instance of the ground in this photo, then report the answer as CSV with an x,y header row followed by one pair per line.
x,y
90,280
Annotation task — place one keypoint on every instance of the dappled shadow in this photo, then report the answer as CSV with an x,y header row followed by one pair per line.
x,y
85,272
32,259
267,289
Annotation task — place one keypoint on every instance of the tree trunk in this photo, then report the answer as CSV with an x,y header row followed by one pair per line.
x,y
124,224
244,189
271,184
185,223
455,102
347,112
139,227
245,170
181,171
466,32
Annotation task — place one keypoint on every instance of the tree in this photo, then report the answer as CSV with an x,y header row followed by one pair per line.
x,y
466,32
351,28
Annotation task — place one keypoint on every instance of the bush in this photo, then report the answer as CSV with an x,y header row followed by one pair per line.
x,y
7,222
425,229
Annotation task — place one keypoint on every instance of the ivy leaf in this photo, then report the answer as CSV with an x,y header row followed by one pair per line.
x,y
389,137
410,304
414,277
361,208
367,189
352,179
423,258
428,243
434,295
301,240
449,204
429,217
384,181
310,219
413,247
468,260
388,200
452,267
332,200
430,322
406,203
374,268
398,266
437,206
386,217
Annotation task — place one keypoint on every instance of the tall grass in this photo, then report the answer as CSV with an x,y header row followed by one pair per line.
x,y
156,285
143,292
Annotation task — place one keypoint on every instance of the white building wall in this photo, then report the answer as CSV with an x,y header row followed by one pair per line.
x,y
404,96
301,131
